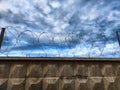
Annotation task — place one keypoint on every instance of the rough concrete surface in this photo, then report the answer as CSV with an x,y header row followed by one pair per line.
x,y
53,74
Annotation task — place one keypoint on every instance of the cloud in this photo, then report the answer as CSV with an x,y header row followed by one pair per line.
x,y
60,24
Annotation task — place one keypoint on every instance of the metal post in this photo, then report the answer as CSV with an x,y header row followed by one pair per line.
x,y
2,36
117,34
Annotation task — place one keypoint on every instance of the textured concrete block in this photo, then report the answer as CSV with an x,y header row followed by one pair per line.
x,y
81,71
115,85
67,84
108,71
118,70
3,84
51,70
112,86
94,70
95,83
35,71
18,71
33,84
98,86
66,70
4,71
16,84
107,81
81,84
51,83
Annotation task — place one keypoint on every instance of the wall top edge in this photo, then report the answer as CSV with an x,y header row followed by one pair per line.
x,y
56,59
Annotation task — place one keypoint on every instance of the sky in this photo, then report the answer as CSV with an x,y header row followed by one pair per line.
x,y
60,28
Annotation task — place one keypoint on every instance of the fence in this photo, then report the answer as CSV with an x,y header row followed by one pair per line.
x,y
27,43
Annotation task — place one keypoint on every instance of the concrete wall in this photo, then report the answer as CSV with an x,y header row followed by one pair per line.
x,y
59,74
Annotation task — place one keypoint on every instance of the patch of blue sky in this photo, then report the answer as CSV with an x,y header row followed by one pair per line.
x,y
61,28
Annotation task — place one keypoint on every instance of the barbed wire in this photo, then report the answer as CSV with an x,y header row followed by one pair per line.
x,y
27,43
